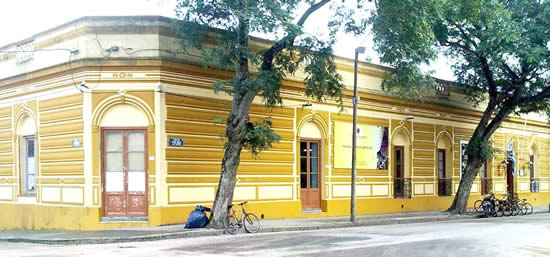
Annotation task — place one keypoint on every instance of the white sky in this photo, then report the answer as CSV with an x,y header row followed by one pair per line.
x,y
21,19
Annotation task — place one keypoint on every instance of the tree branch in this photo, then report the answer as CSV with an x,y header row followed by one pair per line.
x,y
287,41
512,74
545,93
463,33
488,76
311,10
496,121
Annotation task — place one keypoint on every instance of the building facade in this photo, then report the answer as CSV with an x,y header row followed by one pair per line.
x,y
94,137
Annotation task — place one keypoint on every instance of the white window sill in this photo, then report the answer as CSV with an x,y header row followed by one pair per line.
x,y
26,199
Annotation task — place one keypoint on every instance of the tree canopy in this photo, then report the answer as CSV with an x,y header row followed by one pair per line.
x,y
234,21
222,29
499,50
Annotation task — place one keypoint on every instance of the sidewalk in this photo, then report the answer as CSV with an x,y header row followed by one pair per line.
x,y
178,231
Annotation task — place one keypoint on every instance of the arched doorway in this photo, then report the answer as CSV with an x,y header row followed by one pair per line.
x,y
310,166
444,165
401,164
124,161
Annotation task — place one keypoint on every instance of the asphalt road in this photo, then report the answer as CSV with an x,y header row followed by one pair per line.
x,y
512,236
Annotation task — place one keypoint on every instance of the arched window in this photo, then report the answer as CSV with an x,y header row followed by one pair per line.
x,y
533,166
26,142
444,166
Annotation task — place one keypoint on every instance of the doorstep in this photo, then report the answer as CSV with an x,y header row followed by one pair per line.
x,y
313,213
106,220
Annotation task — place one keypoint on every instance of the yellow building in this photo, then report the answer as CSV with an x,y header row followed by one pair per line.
x,y
116,128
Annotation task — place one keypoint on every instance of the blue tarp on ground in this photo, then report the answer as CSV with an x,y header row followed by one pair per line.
x,y
198,218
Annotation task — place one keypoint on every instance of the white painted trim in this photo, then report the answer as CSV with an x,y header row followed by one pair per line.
x,y
88,151
55,93
161,164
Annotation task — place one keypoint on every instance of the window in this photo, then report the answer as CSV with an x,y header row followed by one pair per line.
x,y
463,157
534,181
26,144
444,184
29,172
532,165
441,163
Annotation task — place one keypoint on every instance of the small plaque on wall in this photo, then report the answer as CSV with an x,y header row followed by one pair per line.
x,y
76,142
175,142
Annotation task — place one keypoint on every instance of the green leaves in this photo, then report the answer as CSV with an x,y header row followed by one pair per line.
x,y
500,48
221,30
409,83
322,80
403,31
259,136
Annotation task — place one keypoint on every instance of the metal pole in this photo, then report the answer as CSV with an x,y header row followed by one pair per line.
x,y
354,142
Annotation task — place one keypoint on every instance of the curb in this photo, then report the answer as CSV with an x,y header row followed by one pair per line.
x,y
367,223
217,232
108,240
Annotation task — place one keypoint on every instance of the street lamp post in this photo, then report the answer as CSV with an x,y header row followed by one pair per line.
x,y
358,50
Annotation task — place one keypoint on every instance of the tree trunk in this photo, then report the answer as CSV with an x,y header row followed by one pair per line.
x,y
235,132
237,125
460,201
482,134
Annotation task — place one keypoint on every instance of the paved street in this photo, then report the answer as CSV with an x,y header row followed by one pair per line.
x,y
513,236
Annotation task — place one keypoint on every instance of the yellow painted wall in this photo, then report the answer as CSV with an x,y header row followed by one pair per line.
x,y
61,121
7,176
193,170
270,181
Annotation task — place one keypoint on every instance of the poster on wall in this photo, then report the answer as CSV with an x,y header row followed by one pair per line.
x,y
372,146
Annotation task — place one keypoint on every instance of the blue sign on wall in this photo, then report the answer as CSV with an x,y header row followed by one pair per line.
x,y
175,142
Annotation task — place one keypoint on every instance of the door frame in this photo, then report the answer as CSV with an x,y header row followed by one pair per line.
x,y
402,165
442,174
320,154
102,158
510,187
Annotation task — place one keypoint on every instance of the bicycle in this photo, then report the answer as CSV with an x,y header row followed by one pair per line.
x,y
248,220
478,206
525,207
511,207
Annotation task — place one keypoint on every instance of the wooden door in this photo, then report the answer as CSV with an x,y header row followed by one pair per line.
x,y
441,161
398,167
310,174
510,177
124,174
